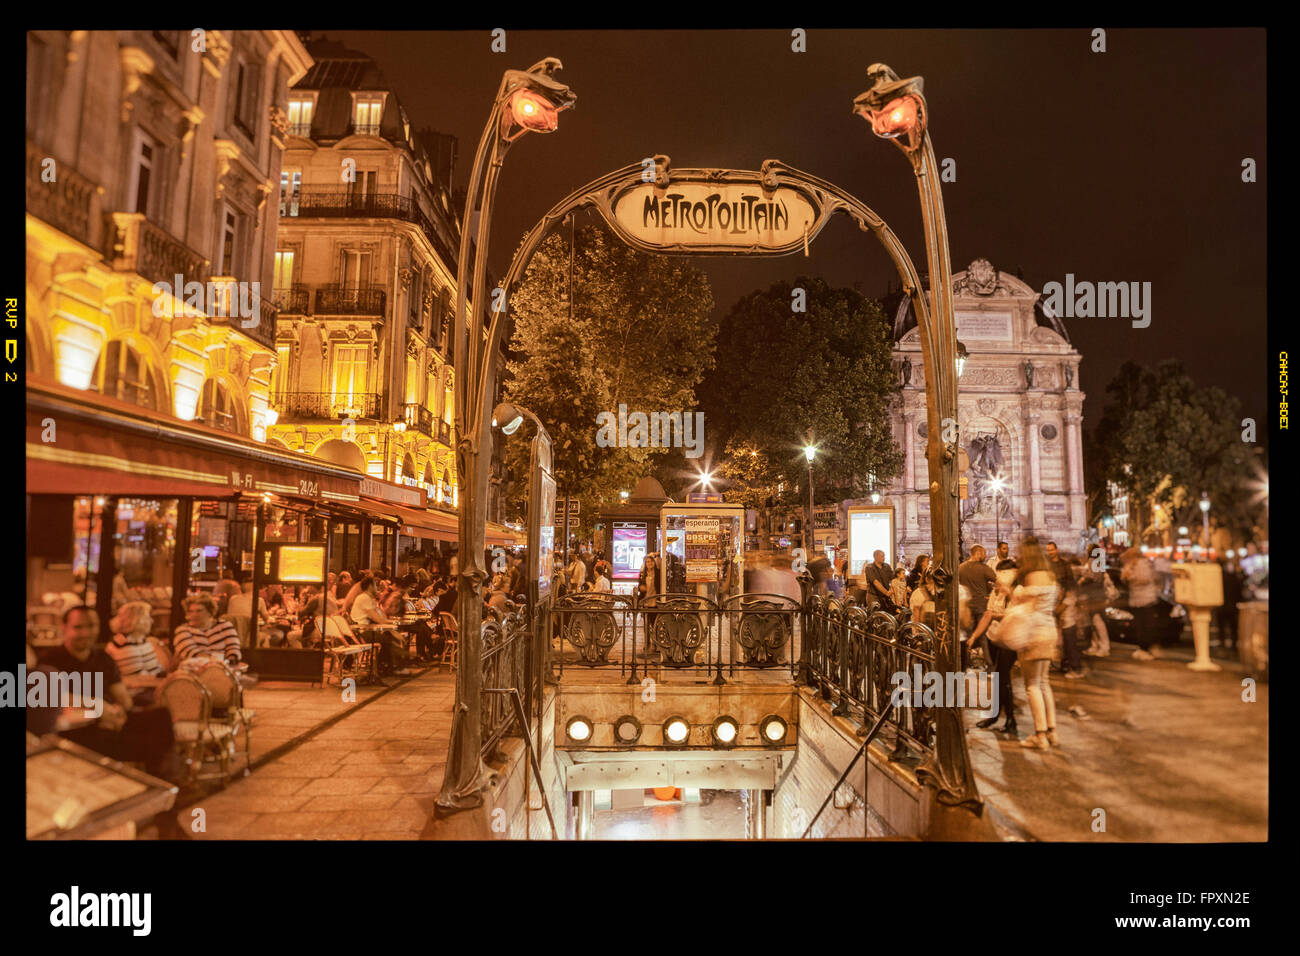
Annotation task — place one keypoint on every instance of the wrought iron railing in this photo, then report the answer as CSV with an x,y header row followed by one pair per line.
x,y
679,632
134,244
234,304
505,651
327,405
295,300
364,129
419,418
338,300
341,202
69,202
853,655
300,129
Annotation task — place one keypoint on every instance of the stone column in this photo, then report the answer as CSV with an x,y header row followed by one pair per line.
x,y
1074,468
909,452
756,816
585,820
1034,500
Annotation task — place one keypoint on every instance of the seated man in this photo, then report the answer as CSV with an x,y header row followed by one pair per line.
x,y
367,613
122,731
202,635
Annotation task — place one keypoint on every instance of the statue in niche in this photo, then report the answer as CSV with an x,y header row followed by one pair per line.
x,y
1029,373
1069,376
907,371
986,460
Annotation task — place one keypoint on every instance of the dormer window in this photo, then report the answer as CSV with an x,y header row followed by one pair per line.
x,y
300,113
366,111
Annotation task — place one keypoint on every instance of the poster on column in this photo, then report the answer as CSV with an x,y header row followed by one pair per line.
x,y
702,549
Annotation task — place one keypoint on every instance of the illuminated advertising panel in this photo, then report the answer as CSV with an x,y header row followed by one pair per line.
x,y
629,548
870,530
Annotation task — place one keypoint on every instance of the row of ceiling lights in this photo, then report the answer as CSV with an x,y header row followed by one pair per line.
x,y
677,730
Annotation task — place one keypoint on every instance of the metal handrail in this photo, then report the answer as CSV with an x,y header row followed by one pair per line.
x,y
866,796
513,694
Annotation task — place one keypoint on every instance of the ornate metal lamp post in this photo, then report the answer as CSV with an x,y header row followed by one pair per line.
x,y
526,101
897,110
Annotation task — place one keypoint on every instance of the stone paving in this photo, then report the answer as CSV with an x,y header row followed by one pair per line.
x,y
1170,755
371,776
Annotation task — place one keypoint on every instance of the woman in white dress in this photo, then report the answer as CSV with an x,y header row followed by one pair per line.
x,y
1034,601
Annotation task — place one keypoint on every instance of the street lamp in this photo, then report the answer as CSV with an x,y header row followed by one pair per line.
x,y
809,452
526,101
897,110
1205,519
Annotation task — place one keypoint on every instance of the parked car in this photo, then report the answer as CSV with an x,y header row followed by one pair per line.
x,y
1170,619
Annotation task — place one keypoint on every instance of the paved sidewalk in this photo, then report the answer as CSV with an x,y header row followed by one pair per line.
x,y
372,776
1170,755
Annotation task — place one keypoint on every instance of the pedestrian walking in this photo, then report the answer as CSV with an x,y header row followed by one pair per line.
x,y
1140,577
1001,658
1029,628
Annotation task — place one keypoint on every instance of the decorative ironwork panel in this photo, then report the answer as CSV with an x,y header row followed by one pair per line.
x,y
587,622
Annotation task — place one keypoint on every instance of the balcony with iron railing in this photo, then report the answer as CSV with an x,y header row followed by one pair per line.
x,y
134,244
69,202
300,129
234,303
340,300
295,300
326,406
342,202
419,418
363,129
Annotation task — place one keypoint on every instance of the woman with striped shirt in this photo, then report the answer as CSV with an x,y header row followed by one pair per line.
x,y
202,635
130,647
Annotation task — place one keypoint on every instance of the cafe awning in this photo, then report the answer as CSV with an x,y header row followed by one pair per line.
x,y
84,443
431,525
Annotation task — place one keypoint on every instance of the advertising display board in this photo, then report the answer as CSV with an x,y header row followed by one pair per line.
x,y
702,548
871,529
628,549
541,518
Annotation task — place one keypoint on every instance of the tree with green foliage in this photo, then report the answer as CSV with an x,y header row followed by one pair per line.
x,y
642,335
784,373
1163,439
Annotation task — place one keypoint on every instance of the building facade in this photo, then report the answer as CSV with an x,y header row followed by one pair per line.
x,y
365,271
1020,417
152,164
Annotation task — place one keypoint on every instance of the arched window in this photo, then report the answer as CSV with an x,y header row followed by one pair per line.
x,y
123,373
218,408
408,467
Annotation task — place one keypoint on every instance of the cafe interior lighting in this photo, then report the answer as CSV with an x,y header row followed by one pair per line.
x,y
578,729
676,730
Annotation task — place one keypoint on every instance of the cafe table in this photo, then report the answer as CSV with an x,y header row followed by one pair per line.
x,y
74,793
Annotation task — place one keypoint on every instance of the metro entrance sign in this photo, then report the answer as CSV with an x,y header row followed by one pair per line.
x,y
715,211
705,215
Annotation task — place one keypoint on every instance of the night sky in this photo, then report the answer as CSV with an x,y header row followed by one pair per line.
x,y
1122,166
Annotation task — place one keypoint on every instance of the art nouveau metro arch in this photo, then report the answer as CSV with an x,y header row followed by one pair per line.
x,y
777,211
